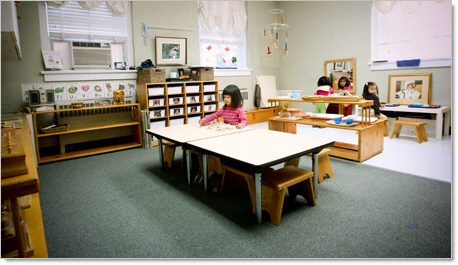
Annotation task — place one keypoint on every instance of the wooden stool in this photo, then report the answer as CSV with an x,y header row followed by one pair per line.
x,y
274,184
419,129
324,164
169,152
248,174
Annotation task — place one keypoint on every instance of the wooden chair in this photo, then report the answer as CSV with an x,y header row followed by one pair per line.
x,y
324,164
419,129
248,174
169,152
274,185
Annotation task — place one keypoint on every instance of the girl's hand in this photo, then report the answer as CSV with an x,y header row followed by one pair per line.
x,y
239,126
201,123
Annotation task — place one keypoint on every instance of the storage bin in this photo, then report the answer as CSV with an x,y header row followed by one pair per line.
x,y
193,119
176,111
175,89
193,109
203,73
210,107
210,97
209,88
156,113
177,121
155,91
150,76
175,100
156,102
192,99
192,88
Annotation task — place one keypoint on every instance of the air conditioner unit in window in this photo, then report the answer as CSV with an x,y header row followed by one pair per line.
x,y
91,55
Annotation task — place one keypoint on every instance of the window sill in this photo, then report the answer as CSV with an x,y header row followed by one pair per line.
x,y
390,65
88,75
233,72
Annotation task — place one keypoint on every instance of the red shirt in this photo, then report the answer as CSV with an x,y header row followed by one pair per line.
x,y
230,115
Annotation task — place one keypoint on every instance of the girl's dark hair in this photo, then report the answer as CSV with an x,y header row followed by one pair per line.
x,y
236,96
347,82
323,81
366,88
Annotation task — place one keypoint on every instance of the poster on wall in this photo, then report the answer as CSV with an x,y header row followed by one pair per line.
x,y
52,60
60,91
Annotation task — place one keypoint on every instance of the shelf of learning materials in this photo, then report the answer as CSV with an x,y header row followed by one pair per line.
x,y
92,130
173,103
23,233
370,134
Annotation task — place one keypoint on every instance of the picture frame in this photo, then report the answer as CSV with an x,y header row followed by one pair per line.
x,y
413,88
339,66
171,51
52,60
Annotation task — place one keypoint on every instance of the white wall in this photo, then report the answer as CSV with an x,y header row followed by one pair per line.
x,y
328,30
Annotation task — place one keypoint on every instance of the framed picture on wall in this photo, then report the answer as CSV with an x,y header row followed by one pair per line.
x,y
414,88
171,51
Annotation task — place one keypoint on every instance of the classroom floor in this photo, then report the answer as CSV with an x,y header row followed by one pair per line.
x,y
432,159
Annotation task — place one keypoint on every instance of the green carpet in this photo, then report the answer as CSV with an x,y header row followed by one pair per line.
x,y
122,205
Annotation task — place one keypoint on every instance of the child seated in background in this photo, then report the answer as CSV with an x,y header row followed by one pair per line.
x,y
324,89
370,92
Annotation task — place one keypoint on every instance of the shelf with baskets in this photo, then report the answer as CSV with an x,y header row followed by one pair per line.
x,y
173,103
86,131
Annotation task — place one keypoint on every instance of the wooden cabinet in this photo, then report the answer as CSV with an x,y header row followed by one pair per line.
x,y
172,103
92,130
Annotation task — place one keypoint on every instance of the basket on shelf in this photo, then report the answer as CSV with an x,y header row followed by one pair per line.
x,y
150,75
202,73
77,105
58,128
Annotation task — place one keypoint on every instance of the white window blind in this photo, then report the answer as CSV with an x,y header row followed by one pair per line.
x,y
74,22
405,30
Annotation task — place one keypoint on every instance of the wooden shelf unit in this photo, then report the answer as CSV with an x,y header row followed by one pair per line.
x,y
370,134
103,126
158,99
28,238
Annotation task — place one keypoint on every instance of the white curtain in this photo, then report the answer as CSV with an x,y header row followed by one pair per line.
x,y
116,7
228,16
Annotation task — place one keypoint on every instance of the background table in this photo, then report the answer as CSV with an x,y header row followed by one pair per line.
x,y
441,122
259,149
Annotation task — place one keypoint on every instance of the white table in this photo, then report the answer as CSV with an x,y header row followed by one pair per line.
x,y
441,122
260,149
182,134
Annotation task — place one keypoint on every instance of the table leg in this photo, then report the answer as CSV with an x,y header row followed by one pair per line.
x,y
315,169
439,126
188,165
258,188
205,169
161,155
446,123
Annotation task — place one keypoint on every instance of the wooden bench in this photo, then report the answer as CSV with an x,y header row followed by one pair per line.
x,y
274,184
419,129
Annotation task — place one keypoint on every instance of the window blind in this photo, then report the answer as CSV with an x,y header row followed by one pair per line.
x,y
74,22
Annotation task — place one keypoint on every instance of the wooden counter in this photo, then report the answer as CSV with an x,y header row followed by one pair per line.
x,y
13,188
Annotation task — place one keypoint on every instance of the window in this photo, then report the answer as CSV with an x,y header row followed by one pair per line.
x,y
98,25
222,41
405,30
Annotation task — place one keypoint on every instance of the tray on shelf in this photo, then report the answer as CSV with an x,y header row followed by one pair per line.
x,y
343,98
342,123
314,97
325,116
58,128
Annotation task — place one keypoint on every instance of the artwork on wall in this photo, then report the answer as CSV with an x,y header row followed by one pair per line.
x,y
171,51
52,60
414,88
